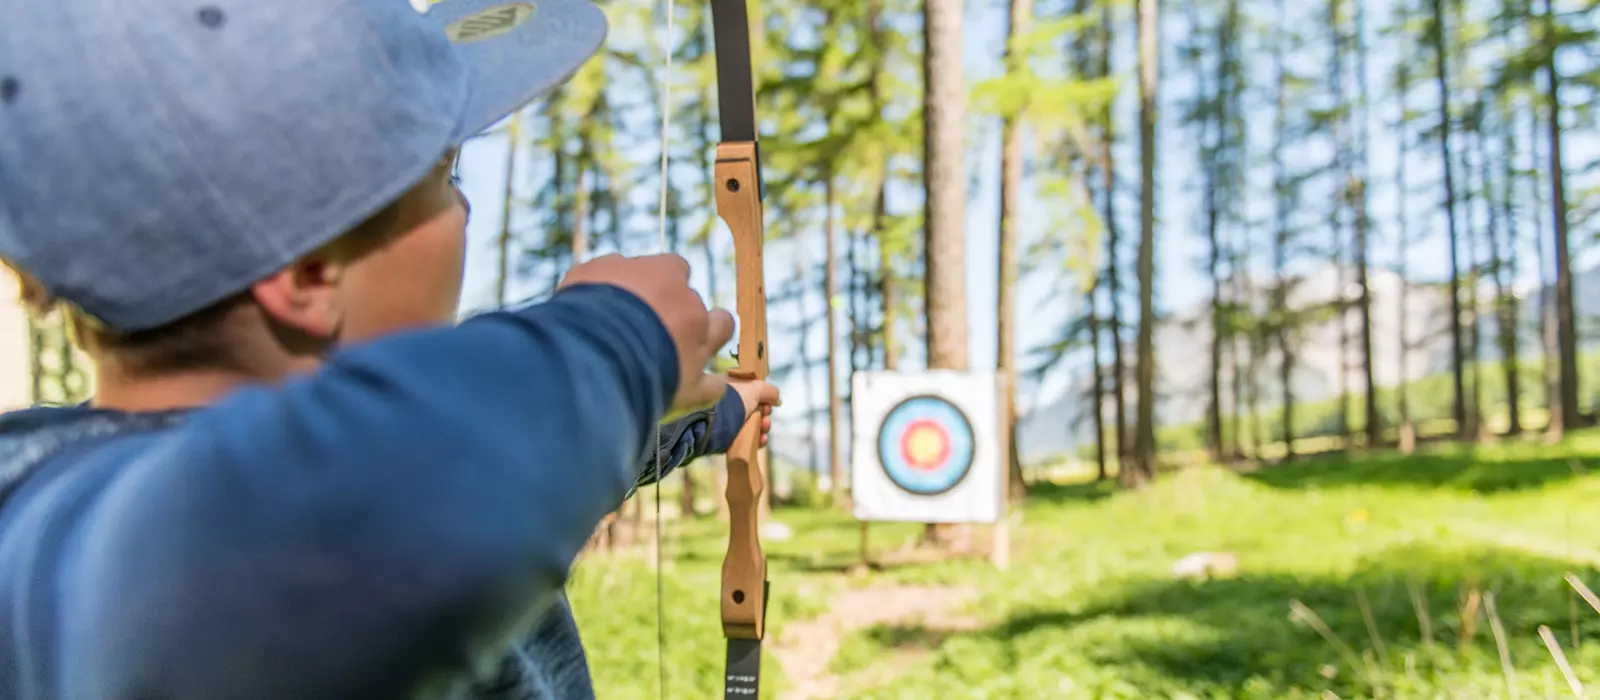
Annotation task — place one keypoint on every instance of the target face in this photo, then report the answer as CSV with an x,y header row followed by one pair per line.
x,y
926,445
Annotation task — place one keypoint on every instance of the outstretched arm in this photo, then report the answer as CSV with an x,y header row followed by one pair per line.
x,y
696,435
380,529
707,432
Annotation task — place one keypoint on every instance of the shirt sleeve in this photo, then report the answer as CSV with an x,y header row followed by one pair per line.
x,y
382,528
696,435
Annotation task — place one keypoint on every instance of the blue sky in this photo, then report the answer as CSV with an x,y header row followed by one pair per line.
x,y
1180,246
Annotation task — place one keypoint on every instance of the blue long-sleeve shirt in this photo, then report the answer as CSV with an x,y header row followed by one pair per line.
x,y
399,524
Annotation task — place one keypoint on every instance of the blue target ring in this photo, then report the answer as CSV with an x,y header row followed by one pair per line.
x,y
925,445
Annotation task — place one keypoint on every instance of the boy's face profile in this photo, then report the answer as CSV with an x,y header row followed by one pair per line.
x,y
415,278
405,274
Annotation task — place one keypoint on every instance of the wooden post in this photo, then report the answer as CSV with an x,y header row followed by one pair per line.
x,y
866,551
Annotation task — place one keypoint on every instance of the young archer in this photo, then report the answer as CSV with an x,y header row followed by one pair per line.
x,y
296,479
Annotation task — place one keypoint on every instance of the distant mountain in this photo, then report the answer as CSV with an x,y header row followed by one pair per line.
x,y
1183,343
1183,346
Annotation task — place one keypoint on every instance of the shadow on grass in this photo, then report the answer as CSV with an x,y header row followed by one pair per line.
x,y
1088,492
1454,467
1238,638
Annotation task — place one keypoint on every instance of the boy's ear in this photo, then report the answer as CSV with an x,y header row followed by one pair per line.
x,y
304,296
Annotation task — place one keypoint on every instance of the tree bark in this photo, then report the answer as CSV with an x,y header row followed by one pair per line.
x,y
1566,314
1097,394
1457,350
1408,430
1499,207
1373,420
831,294
1344,181
1119,372
1142,467
1218,330
887,285
944,183
1282,319
1011,167
580,215
503,276
803,358
945,180
1211,144
1548,341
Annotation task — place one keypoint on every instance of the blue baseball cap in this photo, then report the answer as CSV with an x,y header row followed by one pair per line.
x,y
158,156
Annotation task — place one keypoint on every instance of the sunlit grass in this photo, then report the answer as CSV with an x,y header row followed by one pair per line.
x,y
1090,609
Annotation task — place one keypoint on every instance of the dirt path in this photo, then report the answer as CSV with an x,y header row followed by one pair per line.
x,y
807,647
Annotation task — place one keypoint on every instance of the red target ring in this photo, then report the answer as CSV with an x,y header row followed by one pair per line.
x,y
925,445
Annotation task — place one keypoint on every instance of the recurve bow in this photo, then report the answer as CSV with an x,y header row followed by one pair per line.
x,y
739,192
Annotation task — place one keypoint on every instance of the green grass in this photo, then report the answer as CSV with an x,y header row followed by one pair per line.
x,y
1089,608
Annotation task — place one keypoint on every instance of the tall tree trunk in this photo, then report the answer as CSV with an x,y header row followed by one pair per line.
x,y
1282,203
1475,422
1498,206
1341,206
1372,421
857,290
1211,145
1342,319
1232,141
613,203
1011,165
1108,174
1142,466
944,182
1548,342
1216,148
1408,430
1457,350
1097,394
581,215
1235,402
1566,314
803,359
1258,354
1513,315
1218,320
503,277
887,284
831,296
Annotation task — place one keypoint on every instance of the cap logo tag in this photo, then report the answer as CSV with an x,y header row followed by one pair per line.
x,y
489,23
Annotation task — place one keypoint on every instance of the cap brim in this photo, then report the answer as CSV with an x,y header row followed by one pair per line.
x,y
516,50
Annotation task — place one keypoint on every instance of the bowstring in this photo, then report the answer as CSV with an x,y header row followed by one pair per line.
x,y
661,235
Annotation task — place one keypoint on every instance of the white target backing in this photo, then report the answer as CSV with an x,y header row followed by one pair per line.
x,y
925,447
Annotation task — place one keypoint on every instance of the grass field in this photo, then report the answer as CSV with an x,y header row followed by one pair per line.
x,y
1090,607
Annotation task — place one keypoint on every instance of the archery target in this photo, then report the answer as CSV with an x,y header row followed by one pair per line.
x,y
925,447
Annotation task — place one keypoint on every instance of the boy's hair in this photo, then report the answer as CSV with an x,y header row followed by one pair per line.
x,y
198,340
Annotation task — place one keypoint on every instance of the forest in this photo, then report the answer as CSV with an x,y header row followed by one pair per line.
x,y
1368,214
1373,216
1296,287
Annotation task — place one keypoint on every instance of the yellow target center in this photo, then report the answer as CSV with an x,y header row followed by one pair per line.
x,y
924,445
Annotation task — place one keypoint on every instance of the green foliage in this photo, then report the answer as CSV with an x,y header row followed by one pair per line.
x,y
61,374
806,492
1090,608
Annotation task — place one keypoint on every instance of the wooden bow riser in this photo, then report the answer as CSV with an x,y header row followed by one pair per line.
x,y
744,570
